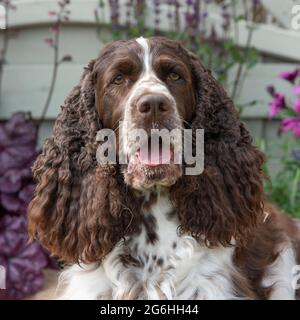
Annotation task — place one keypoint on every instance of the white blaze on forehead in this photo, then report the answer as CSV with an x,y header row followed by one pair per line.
x,y
149,81
147,55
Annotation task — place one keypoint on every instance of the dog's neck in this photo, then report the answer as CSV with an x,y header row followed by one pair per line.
x,y
158,230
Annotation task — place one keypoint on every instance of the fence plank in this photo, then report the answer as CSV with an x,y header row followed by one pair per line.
x,y
265,39
25,87
281,10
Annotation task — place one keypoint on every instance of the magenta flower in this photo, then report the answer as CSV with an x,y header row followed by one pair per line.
x,y
296,106
276,105
292,124
296,90
290,75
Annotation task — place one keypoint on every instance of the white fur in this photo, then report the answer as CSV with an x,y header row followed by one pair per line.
x,y
147,56
189,272
280,275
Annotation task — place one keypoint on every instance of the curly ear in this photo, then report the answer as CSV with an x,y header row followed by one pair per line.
x,y
225,202
78,211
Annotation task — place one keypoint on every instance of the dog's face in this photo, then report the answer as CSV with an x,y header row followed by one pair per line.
x,y
145,84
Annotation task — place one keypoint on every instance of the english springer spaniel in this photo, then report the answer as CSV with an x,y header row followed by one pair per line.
x,y
144,229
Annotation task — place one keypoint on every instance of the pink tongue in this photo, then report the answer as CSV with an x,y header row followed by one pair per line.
x,y
154,157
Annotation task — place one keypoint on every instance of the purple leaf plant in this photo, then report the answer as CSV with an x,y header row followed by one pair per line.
x,y
24,262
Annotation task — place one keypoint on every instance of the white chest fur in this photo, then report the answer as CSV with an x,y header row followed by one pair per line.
x,y
168,267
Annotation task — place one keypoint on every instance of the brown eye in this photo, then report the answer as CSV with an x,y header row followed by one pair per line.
x,y
174,76
118,79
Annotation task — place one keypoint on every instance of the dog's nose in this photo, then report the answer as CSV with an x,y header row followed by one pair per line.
x,y
153,105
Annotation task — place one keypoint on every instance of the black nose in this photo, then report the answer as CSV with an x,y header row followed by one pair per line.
x,y
153,105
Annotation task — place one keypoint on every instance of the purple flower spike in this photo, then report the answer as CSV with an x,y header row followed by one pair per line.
x,y
276,105
290,75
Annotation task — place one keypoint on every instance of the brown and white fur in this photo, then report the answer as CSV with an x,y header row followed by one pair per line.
x,y
139,232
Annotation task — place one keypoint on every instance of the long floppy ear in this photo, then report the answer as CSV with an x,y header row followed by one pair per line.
x,y
78,211
225,202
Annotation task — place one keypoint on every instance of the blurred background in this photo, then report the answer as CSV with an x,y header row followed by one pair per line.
x,y
252,47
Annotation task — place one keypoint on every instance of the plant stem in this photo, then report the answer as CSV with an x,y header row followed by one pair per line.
x,y
235,22
54,74
241,64
295,189
4,48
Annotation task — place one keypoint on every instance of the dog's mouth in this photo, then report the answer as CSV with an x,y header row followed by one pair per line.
x,y
152,165
154,156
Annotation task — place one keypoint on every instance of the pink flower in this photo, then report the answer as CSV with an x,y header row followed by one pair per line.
x,y
50,42
63,3
296,90
52,13
290,75
54,29
296,106
297,132
292,124
276,105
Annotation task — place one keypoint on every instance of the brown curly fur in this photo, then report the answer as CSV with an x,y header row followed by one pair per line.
x,y
226,200
79,210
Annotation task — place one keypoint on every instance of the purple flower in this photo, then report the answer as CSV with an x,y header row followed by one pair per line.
x,y
296,90
296,154
290,75
189,18
114,13
255,3
296,106
276,105
293,124
169,15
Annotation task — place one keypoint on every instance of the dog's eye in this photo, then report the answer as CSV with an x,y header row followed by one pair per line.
x,y
174,76
118,79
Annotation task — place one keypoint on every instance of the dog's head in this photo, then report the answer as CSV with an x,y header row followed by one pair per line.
x,y
82,208
146,86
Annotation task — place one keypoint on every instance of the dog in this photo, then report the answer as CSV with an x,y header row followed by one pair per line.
x,y
144,229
